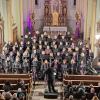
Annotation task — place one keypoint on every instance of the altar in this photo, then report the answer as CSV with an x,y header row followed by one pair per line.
x,y
55,17
55,30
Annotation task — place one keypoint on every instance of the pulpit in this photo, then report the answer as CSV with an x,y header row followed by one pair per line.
x,y
55,16
1,31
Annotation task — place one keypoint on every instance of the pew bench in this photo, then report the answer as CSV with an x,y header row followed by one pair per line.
x,y
13,79
86,79
14,87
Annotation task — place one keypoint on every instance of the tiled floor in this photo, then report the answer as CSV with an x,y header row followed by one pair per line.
x,y
38,93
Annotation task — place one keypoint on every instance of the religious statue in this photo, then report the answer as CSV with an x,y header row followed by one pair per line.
x,y
55,17
32,23
77,15
32,19
78,24
55,12
46,10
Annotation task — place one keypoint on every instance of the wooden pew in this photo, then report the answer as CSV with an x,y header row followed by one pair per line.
x,y
86,79
13,79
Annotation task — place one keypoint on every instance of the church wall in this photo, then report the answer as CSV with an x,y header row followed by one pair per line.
x,y
97,20
25,12
3,11
81,7
6,34
16,15
97,15
91,23
39,13
89,18
98,11
28,8
71,10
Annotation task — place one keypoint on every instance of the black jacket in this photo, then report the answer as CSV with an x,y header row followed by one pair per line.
x,y
49,74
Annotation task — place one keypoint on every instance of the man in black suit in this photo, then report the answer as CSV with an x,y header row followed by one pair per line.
x,y
50,79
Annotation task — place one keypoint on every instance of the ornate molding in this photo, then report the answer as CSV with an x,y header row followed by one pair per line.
x,y
58,6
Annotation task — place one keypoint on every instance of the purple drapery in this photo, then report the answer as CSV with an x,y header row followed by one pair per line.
x,y
30,26
78,28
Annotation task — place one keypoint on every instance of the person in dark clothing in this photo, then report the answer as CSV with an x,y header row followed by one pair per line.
x,y
21,84
50,79
7,86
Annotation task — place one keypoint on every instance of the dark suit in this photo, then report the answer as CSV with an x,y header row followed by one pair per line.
x,y
50,79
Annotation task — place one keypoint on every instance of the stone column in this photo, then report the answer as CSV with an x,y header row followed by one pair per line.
x,y
93,24
88,20
21,17
81,7
31,5
9,17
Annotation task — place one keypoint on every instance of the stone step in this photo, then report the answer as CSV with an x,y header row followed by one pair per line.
x,y
36,93
44,83
42,98
41,93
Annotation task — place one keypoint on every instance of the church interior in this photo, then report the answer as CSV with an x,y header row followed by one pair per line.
x,y
49,50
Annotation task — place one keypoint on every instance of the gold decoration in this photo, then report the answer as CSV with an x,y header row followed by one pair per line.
x,y
77,16
55,16
32,19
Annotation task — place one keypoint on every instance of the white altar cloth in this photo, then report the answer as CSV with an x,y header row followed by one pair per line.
x,y
54,29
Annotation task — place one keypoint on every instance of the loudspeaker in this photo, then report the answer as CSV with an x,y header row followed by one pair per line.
x,y
48,95
36,2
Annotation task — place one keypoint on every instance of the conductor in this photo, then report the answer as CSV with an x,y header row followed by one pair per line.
x,y
50,79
